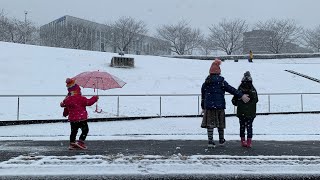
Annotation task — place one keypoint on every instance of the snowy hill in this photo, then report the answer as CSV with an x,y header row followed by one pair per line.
x,y
34,70
42,70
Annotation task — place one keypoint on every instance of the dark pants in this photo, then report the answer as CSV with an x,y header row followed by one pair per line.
x,y
246,123
83,125
210,133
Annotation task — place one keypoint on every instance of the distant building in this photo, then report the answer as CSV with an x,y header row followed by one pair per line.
x,y
76,33
256,41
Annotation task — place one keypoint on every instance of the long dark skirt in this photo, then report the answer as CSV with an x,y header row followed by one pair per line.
x,y
214,118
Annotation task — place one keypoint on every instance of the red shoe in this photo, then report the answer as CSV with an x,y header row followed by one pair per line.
x,y
73,146
243,142
81,144
249,143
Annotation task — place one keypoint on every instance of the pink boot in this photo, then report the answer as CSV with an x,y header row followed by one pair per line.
x,y
249,143
81,144
243,142
73,146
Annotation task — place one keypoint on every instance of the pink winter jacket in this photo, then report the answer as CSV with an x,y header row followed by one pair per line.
x,y
77,107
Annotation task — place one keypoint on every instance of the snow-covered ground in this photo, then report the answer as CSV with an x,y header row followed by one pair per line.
x,y
271,127
161,165
32,70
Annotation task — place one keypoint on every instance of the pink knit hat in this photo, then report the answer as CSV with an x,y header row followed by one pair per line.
x,y
215,67
70,82
73,88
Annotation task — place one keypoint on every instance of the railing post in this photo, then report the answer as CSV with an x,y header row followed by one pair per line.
x,y
198,105
234,109
301,103
18,110
269,102
118,106
160,108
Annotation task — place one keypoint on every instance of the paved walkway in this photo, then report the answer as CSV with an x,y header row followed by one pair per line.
x,y
299,153
11,149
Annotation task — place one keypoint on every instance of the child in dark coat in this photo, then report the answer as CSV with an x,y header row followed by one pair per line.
x,y
246,112
213,102
77,113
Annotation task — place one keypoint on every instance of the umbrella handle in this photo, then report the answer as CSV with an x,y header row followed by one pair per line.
x,y
97,111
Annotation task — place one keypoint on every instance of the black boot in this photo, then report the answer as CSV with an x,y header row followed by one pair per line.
x,y
222,141
211,144
221,136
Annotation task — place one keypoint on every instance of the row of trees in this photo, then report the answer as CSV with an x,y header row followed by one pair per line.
x,y
14,30
180,38
227,36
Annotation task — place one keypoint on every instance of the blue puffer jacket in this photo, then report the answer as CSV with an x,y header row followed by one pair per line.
x,y
213,91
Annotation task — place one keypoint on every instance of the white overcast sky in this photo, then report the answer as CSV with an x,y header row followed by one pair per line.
x,y
200,13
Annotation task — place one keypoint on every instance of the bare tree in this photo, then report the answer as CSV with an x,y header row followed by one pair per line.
x,y
206,47
281,33
125,32
14,30
29,31
3,22
35,37
227,36
10,29
312,38
183,39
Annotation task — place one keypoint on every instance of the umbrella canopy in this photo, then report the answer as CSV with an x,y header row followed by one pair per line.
x,y
98,80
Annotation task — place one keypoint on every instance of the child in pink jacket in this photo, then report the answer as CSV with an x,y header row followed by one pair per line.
x,y
76,104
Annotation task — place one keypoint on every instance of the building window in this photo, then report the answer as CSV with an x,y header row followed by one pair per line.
x,y
102,47
102,36
98,34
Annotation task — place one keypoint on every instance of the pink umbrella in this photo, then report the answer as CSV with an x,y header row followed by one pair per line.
x,y
98,80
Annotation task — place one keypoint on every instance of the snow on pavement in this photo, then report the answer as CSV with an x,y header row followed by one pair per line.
x,y
151,164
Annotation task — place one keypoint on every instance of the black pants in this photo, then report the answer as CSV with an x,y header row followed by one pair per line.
x,y
246,123
83,125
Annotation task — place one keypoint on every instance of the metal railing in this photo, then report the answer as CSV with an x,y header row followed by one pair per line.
x,y
265,106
